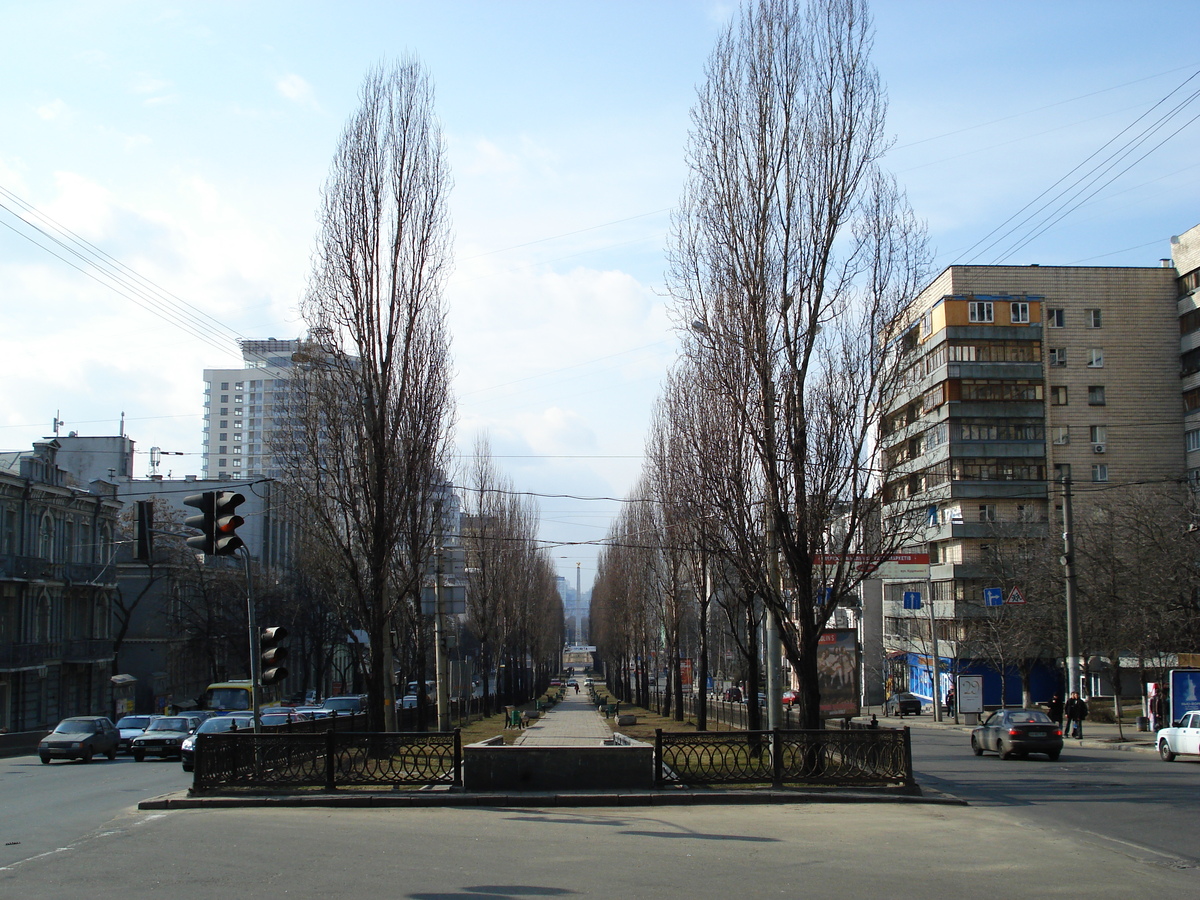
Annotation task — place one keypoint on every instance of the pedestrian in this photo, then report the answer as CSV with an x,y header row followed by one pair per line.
x,y
1054,709
951,697
1076,711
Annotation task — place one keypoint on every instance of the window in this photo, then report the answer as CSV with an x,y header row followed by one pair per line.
x,y
1100,472
222,449
1058,395
223,436
224,398
1061,471
236,436
220,462
980,311
1098,433
1055,318
1191,399
1058,356
1096,358
1192,440
1093,318
1096,395
1019,313
1189,321
224,423
224,385
987,512
1062,434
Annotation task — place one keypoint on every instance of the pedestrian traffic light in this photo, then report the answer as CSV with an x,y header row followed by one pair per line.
x,y
273,655
217,521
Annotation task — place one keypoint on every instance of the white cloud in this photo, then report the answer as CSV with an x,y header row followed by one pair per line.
x,y
296,89
55,109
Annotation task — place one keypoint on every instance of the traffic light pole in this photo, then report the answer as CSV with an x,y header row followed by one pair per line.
x,y
255,662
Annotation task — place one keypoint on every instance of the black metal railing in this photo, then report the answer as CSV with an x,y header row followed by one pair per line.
x,y
328,760
868,757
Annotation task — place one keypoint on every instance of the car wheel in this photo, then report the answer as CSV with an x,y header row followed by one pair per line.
x,y
975,748
87,753
1164,750
1005,752
186,767
139,756
1053,755
45,760
112,754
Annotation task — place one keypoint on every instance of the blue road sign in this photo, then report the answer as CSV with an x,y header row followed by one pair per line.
x,y
993,596
912,599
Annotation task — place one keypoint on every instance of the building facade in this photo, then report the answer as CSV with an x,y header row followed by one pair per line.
x,y
241,406
57,581
1019,377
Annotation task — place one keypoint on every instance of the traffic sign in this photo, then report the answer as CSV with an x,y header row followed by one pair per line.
x,y
993,596
1016,596
912,599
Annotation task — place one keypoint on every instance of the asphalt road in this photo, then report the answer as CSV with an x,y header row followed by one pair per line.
x,y
1100,824
46,808
1130,802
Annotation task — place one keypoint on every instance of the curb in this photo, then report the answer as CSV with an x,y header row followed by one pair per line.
x,y
439,799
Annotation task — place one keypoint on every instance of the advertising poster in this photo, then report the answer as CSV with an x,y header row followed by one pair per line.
x,y
837,673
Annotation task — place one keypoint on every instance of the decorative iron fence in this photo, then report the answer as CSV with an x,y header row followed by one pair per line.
x,y
867,757
327,760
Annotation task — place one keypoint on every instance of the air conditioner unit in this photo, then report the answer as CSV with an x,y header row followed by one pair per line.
x,y
1097,448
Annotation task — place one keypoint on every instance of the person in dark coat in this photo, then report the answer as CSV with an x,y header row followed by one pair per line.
x,y
1054,709
1076,711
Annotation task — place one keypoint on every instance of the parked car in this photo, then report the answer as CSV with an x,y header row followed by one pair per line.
x,y
408,701
282,718
902,704
790,698
130,727
313,712
163,737
732,695
1181,738
215,725
347,703
80,737
1018,732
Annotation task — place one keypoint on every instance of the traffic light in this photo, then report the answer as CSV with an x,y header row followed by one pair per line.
x,y
217,521
273,655
145,530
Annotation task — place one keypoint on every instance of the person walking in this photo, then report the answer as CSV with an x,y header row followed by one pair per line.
x,y
1076,711
1054,709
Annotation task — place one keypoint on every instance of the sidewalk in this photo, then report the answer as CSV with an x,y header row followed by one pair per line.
x,y
572,723
1096,735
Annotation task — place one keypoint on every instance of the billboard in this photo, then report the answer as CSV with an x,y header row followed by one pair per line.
x,y
1185,692
837,673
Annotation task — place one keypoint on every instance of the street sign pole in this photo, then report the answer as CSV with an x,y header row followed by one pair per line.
x,y
933,642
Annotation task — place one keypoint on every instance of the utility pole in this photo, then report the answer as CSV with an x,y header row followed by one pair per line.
x,y
439,630
1074,663
934,661
255,661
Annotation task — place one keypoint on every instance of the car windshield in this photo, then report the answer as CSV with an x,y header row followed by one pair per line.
x,y
342,703
169,724
134,722
218,725
76,726
229,698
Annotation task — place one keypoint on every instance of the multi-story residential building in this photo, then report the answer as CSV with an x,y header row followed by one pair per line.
x,y
1185,250
241,406
57,580
1019,376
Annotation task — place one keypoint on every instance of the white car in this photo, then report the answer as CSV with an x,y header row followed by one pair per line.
x,y
1183,738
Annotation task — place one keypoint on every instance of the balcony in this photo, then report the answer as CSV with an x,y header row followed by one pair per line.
x,y
87,650
25,568
90,573
14,657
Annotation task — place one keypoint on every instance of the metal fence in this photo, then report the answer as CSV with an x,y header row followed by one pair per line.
x,y
327,760
873,757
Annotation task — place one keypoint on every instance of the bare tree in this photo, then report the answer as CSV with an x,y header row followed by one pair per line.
x,y
791,254
366,438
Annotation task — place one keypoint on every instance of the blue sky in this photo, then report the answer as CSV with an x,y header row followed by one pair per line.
x,y
190,141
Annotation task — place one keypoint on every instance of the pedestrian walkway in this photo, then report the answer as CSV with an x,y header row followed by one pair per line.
x,y
572,723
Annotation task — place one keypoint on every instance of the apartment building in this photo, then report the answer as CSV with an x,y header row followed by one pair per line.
x,y
57,581
1016,377
1185,251
241,406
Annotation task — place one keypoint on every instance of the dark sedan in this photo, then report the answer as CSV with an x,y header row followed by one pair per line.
x,y
1018,732
903,704
163,737
80,737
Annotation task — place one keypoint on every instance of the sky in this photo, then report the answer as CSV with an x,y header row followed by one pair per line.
x,y
189,143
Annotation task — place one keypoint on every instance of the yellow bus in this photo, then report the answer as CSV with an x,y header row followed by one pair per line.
x,y
225,697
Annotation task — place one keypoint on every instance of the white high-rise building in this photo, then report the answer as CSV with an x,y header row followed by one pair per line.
x,y
240,409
